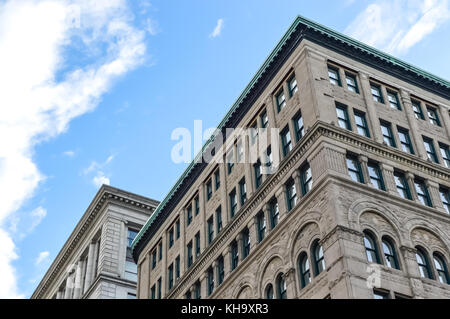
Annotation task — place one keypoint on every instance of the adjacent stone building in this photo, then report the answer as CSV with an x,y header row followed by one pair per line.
x,y
96,260
357,207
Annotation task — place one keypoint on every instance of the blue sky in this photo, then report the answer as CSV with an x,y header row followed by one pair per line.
x,y
90,92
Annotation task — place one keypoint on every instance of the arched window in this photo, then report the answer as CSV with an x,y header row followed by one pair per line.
x,y
281,287
423,263
303,266
390,255
371,248
441,268
269,291
317,253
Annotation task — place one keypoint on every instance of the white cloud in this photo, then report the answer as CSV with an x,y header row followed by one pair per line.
x,y
69,153
37,216
42,91
42,257
217,29
396,26
100,179
152,26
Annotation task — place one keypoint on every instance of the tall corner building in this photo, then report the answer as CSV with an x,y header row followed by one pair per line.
x,y
96,261
357,207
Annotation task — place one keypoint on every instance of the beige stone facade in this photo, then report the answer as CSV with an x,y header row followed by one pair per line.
x,y
95,262
339,216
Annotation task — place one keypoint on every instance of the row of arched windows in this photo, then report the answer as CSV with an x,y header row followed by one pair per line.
x,y
305,275
425,267
390,257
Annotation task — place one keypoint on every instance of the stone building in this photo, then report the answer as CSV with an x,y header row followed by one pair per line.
x,y
96,261
357,207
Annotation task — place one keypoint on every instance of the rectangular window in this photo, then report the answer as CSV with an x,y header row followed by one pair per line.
x,y
306,179
170,279
292,84
342,116
286,142
258,174
197,290
171,238
352,84
375,175
219,219
354,169
264,119
274,213
361,123
402,185
234,255
210,277
233,203
197,205
197,245
153,292
210,230
177,229
190,258
417,110
130,265
243,191
445,152
217,178
220,269
177,268
189,215
333,74
159,288
160,251
298,127
394,102
445,197
209,190
433,116
405,141
291,193
230,161
281,100
154,258
261,224
422,192
245,243
376,93
386,130
429,147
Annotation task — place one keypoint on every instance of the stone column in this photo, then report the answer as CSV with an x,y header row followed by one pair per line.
x,y
266,211
290,280
281,199
433,190
388,177
69,287
78,278
412,271
416,139
363,160
444,112
227,261
373,119
203,284
248,168
298,186
239,240
182,243
59,295
224,192
95,261
202,203
270,109
253,232
215,273
164,287
410,180
89,267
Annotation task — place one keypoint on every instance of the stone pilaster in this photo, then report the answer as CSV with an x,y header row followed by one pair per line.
x,y
373,119
89,267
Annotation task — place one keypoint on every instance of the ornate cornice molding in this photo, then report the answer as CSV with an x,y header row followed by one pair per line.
x,y
105,195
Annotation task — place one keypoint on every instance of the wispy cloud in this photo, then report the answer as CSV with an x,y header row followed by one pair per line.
x,y
69,153
43,91
396,26
218,29
42,257
99,177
